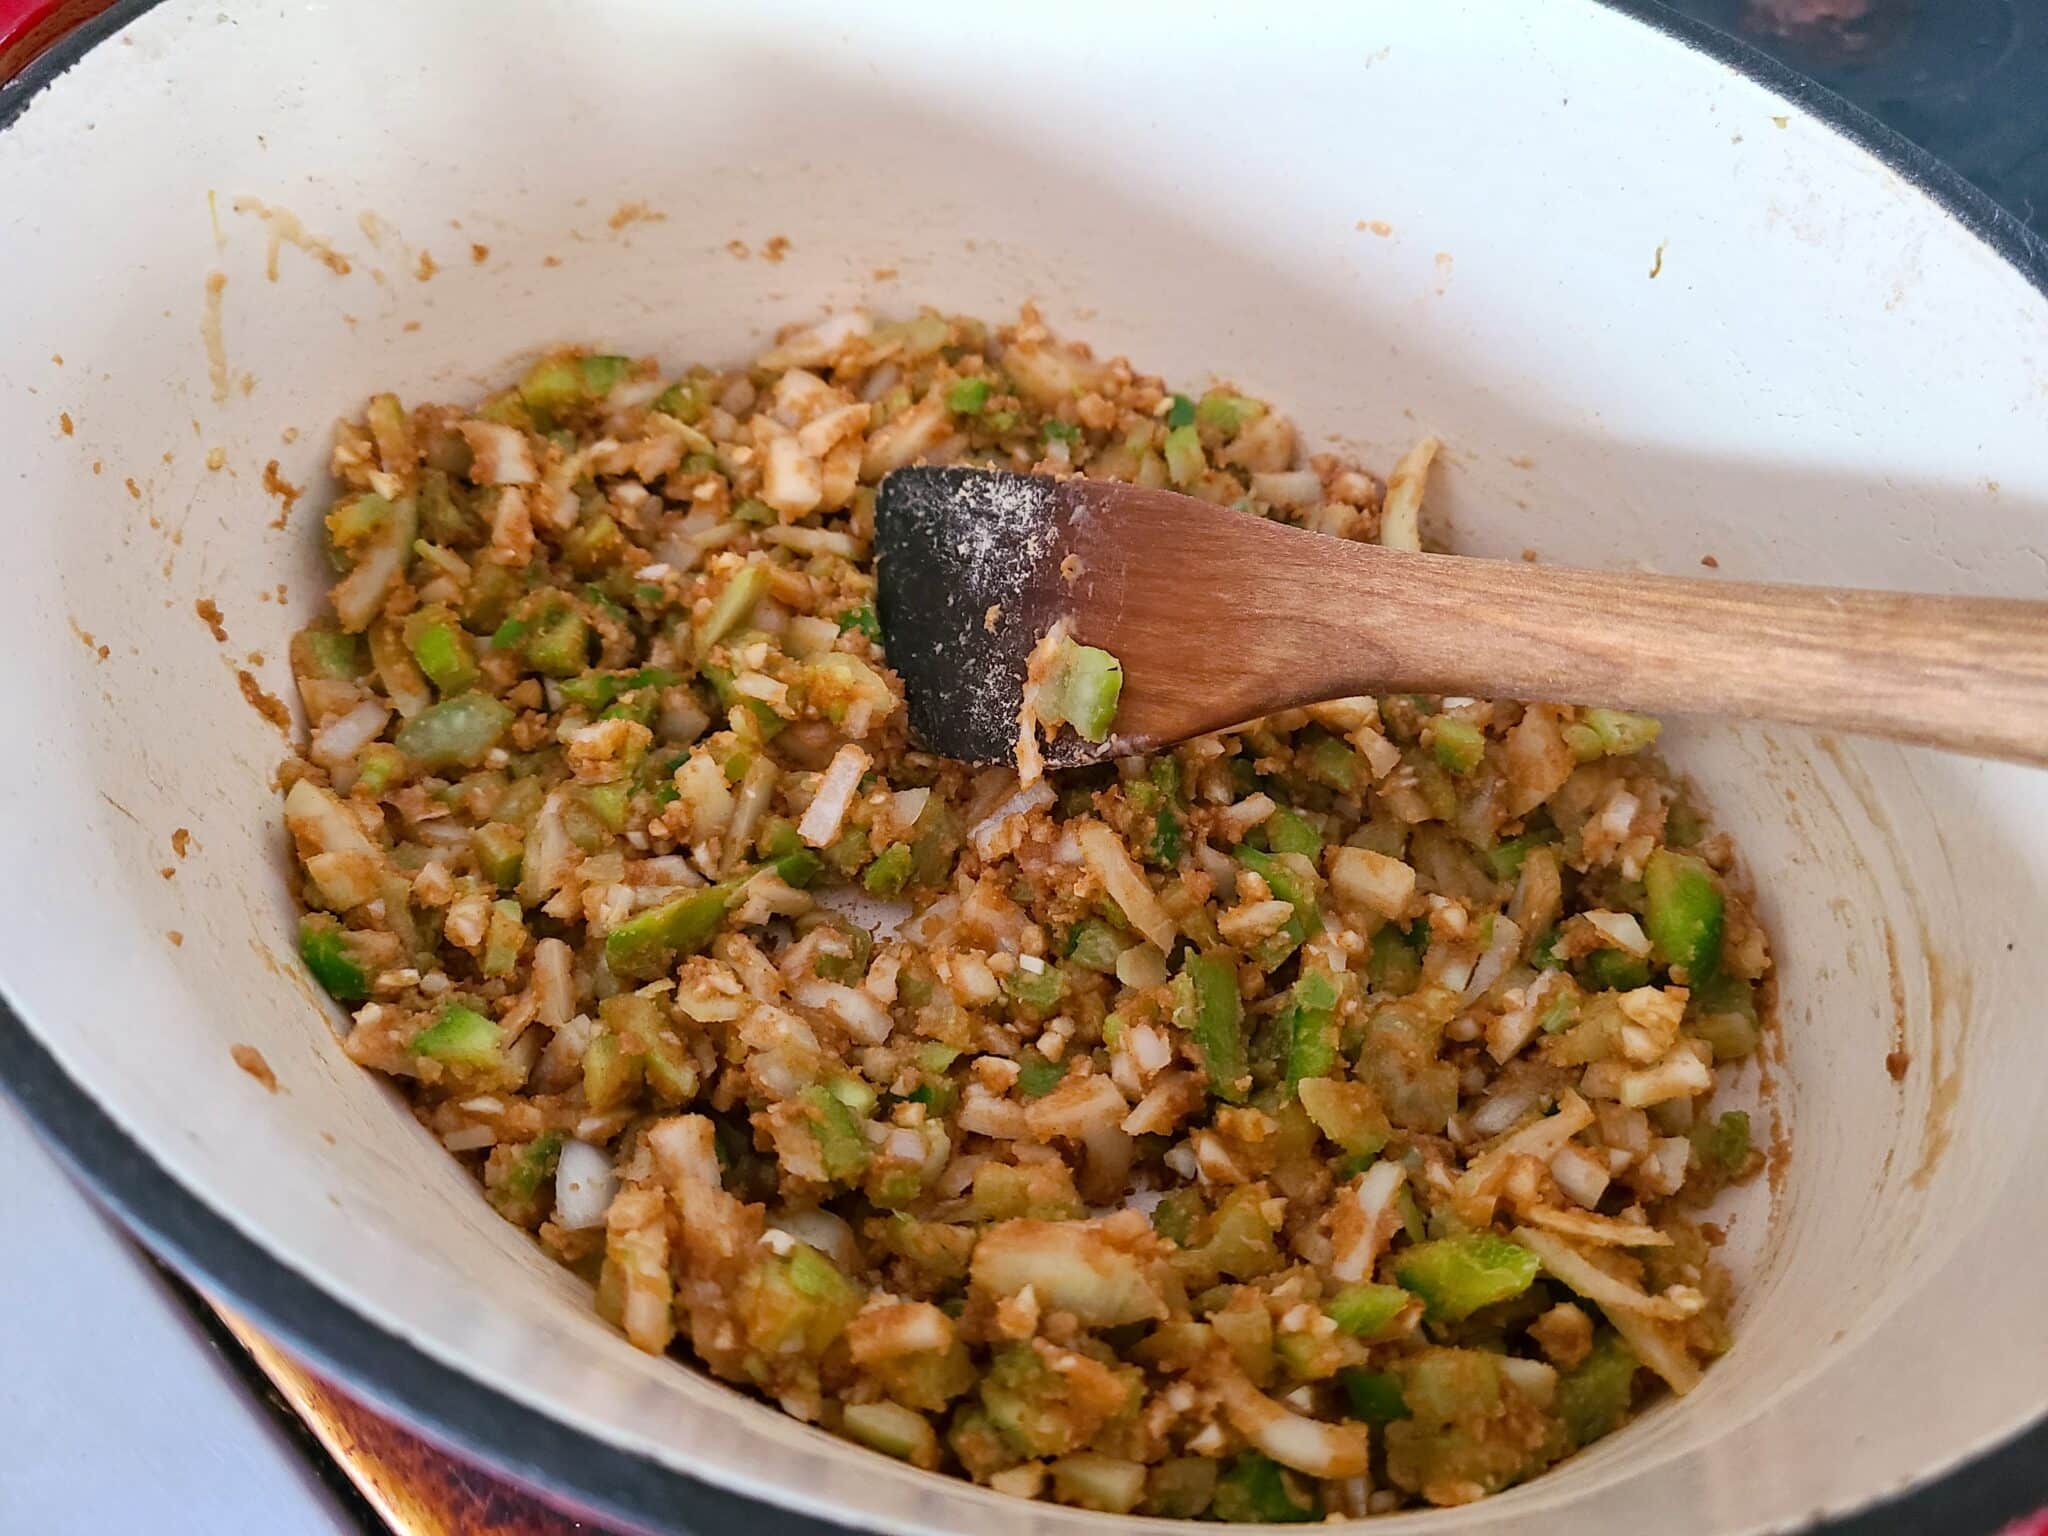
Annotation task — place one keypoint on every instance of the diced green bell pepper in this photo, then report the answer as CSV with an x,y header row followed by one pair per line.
x,y
460,1037
842,1148
1081,689
556,643
1227,414
1036,1077
888,872
1094,945
1684,913
1723,1142
862,620
1614,970
1206,1005
1310,1019
324,946
1346,1112
1722,1012
647,944
515,1190
966,397
1459,744
1289,832
1254,1489
1593,1397
1456,1276
1621,733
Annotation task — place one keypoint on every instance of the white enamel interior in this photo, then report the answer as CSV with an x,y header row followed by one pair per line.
x,y
1826,378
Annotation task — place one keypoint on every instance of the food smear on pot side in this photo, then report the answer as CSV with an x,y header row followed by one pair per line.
x,y
1314,1119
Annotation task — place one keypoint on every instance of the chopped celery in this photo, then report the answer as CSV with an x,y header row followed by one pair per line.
x,y
455,733
1374,1396
893,1430
1093,945
1593,1397
1506,858
753,510
326,653
1684,914
1310,1021
800,869
441,647
460,1037
1621,733
1722,1012
966,397
1459,744
505,938
557,385
557,642
1081,689
379,766
1167,839
611,1073
1057,431
842,1148
796,1303
1036,1077
324,946
1365,1311
600,690
1039,990
1456,1276
646,945
1180,1487
686,399
513,1184
1346,1112
1185,461
1288,832
1207,1007
1226,413
1395,965
593,544
1254,1490
1334,763
1723,1143
746,587
889,871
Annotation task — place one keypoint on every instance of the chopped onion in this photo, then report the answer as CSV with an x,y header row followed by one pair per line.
x,y
1594,1283
1027,799
340,739
824,1231
584,1186
828,807
1619,929
1288,487
864,1018
1505,949
1607,1231
1124,882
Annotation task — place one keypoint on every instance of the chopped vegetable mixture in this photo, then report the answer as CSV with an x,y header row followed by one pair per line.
x,y
1310,1120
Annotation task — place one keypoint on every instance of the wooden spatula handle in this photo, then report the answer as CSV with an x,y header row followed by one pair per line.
x,y
1229,617
1969,674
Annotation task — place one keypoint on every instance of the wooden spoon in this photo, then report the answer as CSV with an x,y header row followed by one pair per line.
x,y
1219,617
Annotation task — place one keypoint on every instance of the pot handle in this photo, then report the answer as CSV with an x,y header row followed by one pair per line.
x,y
29,27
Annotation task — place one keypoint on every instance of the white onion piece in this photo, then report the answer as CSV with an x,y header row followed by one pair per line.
x,y
340,739
584,1186
828,807
827,1233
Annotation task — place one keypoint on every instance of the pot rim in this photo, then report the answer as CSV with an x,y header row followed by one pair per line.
x,y
581,1472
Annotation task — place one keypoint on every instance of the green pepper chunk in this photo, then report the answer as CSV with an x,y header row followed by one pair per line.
x,y
888,872
1614,970
515,1190
1180,412
1684,913
1723,1143
1081,689
1395,966
1375,1396
863,620
455,733
1094,945
1722,1012
324,946
1207,1007
1036,1077
1365,1311
966,397
460,1037
327,653
1289,832
1040,990
1185,461
1456,1276
1506,859
1254,1490
646,945
1621,733
1593,1397
1310,1021
1459,744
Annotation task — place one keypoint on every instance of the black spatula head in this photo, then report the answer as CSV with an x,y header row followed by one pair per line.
x,y
968,568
